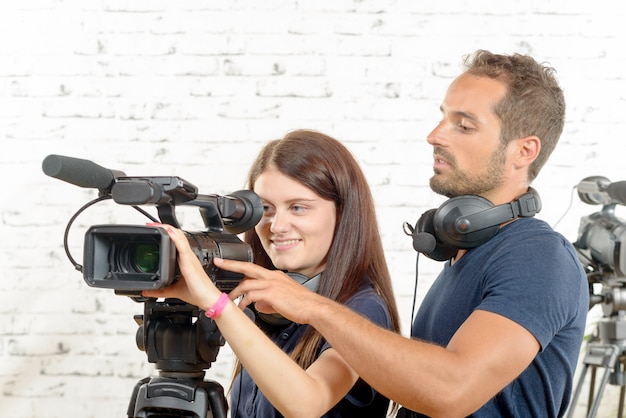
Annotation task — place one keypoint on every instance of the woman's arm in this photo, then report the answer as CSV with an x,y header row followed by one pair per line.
x,y
292,390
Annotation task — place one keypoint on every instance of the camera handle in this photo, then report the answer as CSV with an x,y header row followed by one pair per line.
x,y
182,342
167,215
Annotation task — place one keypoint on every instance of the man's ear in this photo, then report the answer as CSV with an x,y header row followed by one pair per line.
x,y
527,150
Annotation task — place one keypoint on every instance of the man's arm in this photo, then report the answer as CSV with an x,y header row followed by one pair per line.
x,y
486,353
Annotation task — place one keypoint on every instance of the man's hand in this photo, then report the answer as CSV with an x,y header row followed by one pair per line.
x,y
272,291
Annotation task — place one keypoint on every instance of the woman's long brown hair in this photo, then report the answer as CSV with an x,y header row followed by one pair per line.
x,y
327,167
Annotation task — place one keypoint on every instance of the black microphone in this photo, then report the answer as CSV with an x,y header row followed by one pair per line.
x,y
423,242
598,190
82,173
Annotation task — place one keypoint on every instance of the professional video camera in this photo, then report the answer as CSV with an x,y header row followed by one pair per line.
x,y
131,258
601,248
601,242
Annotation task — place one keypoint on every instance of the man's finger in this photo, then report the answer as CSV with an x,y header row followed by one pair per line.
x,y
244,267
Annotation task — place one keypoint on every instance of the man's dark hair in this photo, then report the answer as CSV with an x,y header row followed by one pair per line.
x,y
534,103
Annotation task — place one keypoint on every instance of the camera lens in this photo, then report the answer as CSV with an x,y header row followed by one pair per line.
x,y
145,257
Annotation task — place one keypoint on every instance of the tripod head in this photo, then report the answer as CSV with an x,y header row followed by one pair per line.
x,y
182,342
177,337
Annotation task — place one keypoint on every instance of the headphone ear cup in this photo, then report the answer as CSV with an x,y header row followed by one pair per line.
x,y
425,226
452,228
467,221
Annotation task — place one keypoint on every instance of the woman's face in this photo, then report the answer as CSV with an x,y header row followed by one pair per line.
x,y
297,226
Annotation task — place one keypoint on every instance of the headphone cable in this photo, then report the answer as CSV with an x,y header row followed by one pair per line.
x,y
417,258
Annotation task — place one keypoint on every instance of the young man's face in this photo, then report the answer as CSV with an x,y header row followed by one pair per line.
x,y
468,158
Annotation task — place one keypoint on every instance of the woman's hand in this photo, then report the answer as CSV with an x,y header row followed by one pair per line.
x,y
195,286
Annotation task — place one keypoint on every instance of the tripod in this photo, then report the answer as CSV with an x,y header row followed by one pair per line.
x,y
606,352
183,343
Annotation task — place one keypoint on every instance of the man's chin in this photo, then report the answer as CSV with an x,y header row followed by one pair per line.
x,y
439,187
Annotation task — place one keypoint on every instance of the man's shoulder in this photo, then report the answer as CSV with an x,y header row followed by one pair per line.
x,y
532,229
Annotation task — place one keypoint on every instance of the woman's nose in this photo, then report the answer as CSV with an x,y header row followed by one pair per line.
x,y
280,223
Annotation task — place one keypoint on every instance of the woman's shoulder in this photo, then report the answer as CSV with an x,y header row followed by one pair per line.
x,y
367,302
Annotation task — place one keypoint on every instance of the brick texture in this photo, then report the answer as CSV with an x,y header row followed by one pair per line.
x,y
194,89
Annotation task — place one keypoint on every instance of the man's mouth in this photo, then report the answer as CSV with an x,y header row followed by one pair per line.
x,y
440,162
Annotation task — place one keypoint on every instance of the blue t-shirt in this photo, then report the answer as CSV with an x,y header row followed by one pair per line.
x,y
247,401
530,274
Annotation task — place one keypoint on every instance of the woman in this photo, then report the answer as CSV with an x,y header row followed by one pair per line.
x,y
319,222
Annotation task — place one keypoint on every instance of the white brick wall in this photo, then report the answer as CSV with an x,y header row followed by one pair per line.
x,y
194,88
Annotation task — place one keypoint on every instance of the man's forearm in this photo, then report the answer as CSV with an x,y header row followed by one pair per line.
x,y
394,365
483,356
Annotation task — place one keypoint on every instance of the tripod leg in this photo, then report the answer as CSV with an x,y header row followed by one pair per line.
x,y
592,389
620,411
579,385
596,402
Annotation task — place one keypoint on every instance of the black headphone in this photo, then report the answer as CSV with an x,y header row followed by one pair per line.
x,y
277,319
465,222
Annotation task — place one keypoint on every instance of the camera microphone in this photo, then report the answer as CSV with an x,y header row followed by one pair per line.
x,y
79,172
598,190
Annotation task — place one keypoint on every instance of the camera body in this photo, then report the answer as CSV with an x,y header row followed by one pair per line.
x,y
602,236
601,244
134,257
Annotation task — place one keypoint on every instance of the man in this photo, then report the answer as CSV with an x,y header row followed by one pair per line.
x,y
500,330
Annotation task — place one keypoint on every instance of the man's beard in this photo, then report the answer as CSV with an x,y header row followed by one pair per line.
x,y
463,183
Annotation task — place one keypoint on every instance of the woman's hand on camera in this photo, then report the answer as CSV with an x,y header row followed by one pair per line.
x,y
195,286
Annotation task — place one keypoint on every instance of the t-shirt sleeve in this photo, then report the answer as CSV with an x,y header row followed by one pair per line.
x,y
368,304
543,269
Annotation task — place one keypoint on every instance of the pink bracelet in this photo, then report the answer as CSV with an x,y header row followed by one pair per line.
x,y
218,307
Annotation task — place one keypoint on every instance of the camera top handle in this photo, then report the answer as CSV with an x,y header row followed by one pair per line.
x,y
237,212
